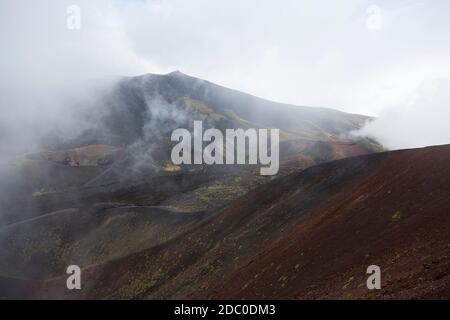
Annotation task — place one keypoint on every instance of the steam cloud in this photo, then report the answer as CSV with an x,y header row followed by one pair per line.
x,y
420,121
52,75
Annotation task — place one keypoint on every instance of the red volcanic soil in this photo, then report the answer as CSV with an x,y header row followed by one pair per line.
x,y
346,148
309,235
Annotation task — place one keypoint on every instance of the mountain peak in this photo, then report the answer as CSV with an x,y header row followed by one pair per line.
x,y
176,73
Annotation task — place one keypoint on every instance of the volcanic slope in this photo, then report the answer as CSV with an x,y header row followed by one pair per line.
x,y
106,192
310,234
130,142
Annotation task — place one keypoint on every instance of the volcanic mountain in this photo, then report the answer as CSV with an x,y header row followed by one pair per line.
x,y
128,145
111,191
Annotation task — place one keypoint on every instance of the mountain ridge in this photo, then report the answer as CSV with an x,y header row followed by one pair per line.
x,y
180,74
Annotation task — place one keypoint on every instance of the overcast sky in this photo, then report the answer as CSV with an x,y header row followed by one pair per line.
x,y
359,56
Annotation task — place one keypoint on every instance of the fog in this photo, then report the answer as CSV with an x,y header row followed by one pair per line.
x,y
51,76
422,120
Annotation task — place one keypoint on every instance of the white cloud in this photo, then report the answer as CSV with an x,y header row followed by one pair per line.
x,y
374,20
421,120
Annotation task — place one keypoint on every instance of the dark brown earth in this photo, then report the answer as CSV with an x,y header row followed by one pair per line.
x,y
111,201
308,235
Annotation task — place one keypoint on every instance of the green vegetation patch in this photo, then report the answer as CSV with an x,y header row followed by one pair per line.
x,y
396,216
371,144
200,107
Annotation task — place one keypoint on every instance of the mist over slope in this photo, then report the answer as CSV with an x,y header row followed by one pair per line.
x,y
311,234
121,135
151,101
108,200
109,188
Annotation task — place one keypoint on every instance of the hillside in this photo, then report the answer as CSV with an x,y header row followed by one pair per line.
x,y
112,191
129,146
310,234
